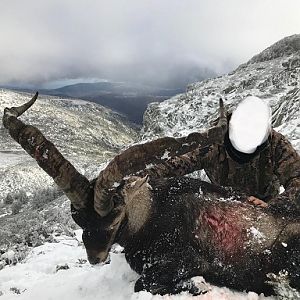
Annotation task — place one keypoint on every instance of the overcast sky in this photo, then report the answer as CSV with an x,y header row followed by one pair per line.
x,y
135,40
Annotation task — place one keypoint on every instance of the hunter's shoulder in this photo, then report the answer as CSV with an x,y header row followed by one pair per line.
x,y
282,146
278,138
277,135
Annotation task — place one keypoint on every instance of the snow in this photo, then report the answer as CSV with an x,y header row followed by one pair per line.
x,y
149,166
281,189
37,278
256,234
10,158
9,255
78,102
116,184
166,155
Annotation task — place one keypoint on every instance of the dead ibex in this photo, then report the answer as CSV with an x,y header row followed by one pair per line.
x,y
171,229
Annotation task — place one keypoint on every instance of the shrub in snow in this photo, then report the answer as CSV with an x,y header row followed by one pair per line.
x,y
9,199
44,196
17,201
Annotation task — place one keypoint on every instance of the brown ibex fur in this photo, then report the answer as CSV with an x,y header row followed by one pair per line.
x,y
171,229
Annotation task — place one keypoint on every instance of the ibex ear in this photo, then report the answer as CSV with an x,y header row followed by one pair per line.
x,y
141,181
145,179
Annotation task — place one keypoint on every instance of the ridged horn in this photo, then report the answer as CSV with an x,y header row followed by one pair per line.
x,y
19,110
76,187
216,133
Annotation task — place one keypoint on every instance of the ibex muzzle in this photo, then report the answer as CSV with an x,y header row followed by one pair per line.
x,y
99,233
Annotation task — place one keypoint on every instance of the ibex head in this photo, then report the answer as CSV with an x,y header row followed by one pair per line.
x,y
99,233
131,207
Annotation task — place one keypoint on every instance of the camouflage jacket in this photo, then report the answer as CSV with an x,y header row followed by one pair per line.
x,y
277,163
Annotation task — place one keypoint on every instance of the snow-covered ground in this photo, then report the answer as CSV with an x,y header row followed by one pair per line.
x,y
10,158
38,278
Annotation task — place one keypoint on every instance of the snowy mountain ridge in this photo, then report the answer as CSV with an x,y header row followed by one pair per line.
x,y
285,47
273,75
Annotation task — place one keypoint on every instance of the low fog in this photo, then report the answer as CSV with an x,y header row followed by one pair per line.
x,y
165,43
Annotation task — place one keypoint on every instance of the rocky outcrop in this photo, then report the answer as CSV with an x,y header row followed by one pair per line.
x,y
285,47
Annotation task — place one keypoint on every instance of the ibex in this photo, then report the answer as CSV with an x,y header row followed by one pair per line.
x,y
171,229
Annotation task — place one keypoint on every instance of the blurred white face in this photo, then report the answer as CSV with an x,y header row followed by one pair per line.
x,y
250,124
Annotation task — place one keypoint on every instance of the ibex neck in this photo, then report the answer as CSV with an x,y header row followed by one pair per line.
x,y
138,208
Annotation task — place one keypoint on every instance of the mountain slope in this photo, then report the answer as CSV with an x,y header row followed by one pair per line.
x,y
273,75
86,133
87,127
31,206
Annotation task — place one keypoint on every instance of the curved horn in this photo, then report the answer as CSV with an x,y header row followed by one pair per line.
x,y
75,185
19,110
137,158
222,113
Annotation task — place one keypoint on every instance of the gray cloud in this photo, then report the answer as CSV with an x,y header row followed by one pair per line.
x,y
149,40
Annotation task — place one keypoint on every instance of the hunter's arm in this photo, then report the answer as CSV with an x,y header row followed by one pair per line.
x,y
287,168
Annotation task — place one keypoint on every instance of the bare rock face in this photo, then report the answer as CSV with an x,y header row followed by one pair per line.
x,y
273,75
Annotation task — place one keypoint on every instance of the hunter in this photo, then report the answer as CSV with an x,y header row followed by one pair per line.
x,y
254,158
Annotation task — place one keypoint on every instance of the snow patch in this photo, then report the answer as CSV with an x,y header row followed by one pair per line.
x,y
149,166
116,184
9,255
256,233
39,277
166,155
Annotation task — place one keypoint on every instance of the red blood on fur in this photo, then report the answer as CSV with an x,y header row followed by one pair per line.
x,y
225,230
